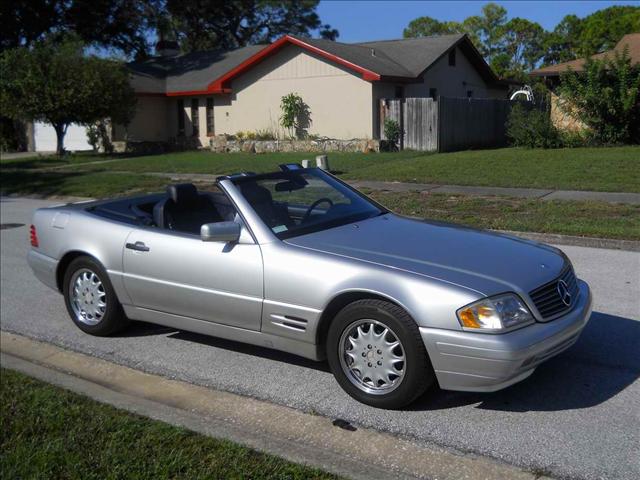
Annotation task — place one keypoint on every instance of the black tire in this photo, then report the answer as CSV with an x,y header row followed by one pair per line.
x,y
418,373
113,319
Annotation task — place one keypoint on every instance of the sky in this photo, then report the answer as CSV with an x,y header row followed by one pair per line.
x,y
359,21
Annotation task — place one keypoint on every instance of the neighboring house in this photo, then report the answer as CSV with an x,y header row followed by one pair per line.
x,y
202,94
551,75
45,139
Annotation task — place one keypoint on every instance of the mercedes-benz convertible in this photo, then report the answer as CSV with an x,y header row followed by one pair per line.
x,y
297,260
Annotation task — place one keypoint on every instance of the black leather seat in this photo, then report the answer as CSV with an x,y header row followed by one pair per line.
x,y
262,202
185,210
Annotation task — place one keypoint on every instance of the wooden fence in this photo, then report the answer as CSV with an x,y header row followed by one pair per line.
x,y
447,124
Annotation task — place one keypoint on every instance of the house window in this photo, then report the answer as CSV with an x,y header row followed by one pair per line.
x,y
195,118
433,93
469,93
452,57
399,92
180,104
210,129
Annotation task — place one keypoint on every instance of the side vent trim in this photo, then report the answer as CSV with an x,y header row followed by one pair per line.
x,y
289,322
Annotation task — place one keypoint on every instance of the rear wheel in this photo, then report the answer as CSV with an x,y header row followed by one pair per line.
x,y
90,298
376,353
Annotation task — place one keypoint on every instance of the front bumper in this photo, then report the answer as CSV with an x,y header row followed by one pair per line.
x,y
44,268
480,362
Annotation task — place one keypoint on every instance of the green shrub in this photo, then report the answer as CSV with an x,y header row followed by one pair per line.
x,y
98,137
392,133
606,98
573,139
265,134
532,128
296,115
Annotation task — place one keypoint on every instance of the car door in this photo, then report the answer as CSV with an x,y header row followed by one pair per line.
x,y
180,274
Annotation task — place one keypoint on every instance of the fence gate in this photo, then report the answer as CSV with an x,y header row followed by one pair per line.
x,y
420,124
418,121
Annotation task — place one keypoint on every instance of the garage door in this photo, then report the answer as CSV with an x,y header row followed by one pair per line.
x,y
45,138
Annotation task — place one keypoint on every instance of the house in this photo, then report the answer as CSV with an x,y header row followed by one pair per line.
x,y
201,94
551,76
44,138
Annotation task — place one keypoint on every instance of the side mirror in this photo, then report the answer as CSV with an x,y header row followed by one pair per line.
x,y
220,232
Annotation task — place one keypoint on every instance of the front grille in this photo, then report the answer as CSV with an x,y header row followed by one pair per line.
x,y
547,298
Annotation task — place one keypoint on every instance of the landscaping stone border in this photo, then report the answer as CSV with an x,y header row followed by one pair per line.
x,y
222,144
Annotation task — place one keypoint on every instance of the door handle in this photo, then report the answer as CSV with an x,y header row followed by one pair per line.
x,y
138,247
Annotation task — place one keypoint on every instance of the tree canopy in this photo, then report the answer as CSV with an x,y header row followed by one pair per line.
x,y
514,46
120,25
58,84
127,26
201,25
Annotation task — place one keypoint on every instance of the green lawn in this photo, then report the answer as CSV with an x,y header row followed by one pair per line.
x,y
47,161
615,169
589,219
48,432
97,184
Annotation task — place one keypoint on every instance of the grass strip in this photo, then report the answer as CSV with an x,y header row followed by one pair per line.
x,y
48,432
589,219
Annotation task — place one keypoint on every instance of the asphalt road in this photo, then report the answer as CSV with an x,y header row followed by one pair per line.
x,y
578,416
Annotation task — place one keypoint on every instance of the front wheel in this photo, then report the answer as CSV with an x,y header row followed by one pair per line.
x,y
90,298
376,354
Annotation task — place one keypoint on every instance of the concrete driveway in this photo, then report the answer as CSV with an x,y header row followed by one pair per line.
x,y
578,416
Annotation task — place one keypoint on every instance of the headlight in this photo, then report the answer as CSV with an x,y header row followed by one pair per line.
x,y
495,314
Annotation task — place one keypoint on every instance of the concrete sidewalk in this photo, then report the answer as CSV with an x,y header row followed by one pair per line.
x,y
533,193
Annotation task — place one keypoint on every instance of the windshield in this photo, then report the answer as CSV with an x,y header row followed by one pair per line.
x,y
303,201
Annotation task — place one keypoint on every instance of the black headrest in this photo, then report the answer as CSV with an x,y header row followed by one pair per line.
x,y
255,193
183,194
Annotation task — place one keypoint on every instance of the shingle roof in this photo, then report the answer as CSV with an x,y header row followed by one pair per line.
x,y
415,54
631,41
193,71
393,59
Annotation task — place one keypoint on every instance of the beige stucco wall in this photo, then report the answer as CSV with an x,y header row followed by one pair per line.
x,y
150,120
453,81
340,101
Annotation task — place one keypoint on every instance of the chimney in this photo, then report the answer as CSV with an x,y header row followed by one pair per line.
x,y
167,48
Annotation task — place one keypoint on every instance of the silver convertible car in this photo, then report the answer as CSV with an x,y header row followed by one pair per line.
x,y
298,261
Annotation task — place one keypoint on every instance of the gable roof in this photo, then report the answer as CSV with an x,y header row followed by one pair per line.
x,y
184,73
631,41
212,72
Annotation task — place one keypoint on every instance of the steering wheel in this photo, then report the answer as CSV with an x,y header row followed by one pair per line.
x,y
312,207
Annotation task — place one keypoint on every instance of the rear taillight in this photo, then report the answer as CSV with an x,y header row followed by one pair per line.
x,y
34,236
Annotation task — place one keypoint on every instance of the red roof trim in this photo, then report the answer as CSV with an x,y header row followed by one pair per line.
x,y
221,84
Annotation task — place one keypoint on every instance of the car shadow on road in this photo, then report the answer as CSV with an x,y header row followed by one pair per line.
x,y
251,350
143,329
604,362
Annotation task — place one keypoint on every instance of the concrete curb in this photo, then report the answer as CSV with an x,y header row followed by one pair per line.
x,y
300,437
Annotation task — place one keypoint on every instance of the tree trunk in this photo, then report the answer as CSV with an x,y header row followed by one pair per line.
x,y
61,131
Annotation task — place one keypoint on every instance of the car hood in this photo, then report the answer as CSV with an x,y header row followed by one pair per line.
x,y
486,262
